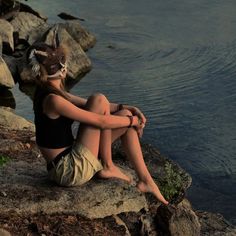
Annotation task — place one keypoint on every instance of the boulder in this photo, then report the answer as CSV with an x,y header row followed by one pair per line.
x,y
4,232
27,191
6,33
12,63
29,27
80,34
6,79
0,46
214,224
179,221
12,121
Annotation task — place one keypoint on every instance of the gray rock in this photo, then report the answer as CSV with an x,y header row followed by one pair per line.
x,y
6,33
78,61
12,121
0,45
4,232
6,79
27,191
80,34
178,222
213,224
29,26
12,63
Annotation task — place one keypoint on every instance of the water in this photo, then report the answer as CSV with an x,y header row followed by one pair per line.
x,y
176,61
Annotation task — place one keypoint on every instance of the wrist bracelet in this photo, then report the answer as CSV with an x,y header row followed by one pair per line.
x,y
131,120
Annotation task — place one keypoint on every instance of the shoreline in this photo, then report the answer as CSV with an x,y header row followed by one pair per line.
x,y
26,76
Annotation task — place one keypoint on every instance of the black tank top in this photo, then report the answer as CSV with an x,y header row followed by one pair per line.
x,y
50,133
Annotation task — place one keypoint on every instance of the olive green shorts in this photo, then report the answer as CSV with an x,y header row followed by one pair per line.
x,y
75,168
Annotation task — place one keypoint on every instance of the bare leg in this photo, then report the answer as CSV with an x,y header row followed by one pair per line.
x,y
131,145
130,142
97,140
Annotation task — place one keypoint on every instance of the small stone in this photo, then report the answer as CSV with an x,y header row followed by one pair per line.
x,y
3,193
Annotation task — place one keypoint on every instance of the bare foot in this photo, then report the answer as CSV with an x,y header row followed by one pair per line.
x,y
113,172
152,188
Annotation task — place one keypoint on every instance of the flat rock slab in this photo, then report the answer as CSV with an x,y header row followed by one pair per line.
x,y
25,189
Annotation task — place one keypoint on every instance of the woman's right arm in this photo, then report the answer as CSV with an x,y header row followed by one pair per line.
x,y
56,105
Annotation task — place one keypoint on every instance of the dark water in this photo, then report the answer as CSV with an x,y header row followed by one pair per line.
x,y
176,61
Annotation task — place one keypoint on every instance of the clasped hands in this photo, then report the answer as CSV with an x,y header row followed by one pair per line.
x,y
142,120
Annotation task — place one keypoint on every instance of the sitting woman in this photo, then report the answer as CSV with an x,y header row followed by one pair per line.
x,y
74,162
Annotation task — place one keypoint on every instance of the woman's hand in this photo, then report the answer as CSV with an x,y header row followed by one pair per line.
x,y
137,112
139,130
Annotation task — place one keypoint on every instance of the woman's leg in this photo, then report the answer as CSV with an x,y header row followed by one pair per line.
x,y
91,137
132,148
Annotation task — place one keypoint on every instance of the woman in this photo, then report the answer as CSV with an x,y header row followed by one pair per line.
x,y
73,162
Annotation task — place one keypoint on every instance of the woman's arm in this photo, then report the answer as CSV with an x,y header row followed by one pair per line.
x,y
77,101
55,106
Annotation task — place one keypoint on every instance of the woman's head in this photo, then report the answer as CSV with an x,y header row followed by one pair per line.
x,y
47,62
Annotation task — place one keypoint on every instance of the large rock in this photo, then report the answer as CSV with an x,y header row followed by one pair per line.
x,y
6,34
29,26
12,63
12,121
6,79
0,46
214,224
178,222
28,191
80,34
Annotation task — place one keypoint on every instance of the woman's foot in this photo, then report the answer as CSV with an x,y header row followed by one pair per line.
x,y
151,187
113,172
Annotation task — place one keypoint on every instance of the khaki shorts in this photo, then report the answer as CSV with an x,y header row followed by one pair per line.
x,y
76,167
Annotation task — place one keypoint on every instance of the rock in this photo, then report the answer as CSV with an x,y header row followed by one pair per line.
x,y
78,61
0,46
182,221
79,34
12,63
6,34
66,16
14,122
29,192
213,224
29,26
26,8
3,232
6,79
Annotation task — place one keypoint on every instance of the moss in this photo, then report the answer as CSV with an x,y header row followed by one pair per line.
x,y
3,160
172,182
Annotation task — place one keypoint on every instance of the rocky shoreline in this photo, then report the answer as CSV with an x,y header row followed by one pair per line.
x,y
31,205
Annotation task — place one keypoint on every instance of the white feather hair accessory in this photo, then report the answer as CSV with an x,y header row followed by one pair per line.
x,y
35,66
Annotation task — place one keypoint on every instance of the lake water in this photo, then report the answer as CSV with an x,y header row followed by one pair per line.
x,y
176,60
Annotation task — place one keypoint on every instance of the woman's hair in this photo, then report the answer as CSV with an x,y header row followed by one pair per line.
x,y
46,60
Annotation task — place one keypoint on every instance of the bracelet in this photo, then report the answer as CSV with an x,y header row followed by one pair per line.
x,y
131,120
120,107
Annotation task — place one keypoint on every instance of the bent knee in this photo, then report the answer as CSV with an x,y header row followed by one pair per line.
x,y
124,112
98,103
98,97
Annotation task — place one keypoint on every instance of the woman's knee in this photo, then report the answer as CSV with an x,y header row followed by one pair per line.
x,y
124,112
98,103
